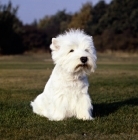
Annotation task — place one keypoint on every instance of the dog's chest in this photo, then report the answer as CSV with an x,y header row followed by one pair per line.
x,y
65,85
76,86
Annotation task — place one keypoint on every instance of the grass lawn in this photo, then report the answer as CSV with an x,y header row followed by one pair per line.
x,y
113,89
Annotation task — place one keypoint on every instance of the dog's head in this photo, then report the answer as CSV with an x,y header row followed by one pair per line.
x,y
74,51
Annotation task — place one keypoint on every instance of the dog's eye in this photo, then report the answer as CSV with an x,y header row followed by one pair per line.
x,y
71,51
86,50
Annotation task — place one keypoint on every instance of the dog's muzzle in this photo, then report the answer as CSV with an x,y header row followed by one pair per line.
x,y
84,64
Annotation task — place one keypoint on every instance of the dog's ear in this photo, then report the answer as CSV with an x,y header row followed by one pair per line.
x,y
54,46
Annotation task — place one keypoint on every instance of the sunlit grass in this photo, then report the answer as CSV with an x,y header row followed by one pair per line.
x,y
113,89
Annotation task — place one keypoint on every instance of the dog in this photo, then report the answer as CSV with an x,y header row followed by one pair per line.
x,y
66,92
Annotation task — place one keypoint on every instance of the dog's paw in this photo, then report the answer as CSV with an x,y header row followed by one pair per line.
x,y
88,118
85,117
56,118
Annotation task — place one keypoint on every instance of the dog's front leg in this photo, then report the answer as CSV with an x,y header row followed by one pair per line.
x,y
84,108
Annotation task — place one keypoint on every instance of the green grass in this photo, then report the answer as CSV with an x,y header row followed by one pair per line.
x,y
113,89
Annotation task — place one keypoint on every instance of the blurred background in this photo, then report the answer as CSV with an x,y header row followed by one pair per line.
x,y
28,26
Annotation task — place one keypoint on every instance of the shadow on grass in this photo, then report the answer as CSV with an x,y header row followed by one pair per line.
x,y
104,109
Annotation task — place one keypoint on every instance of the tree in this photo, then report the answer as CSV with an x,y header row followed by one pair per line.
x,y
34,39
10,30
120,16
83,18
98,11
118,26
53,25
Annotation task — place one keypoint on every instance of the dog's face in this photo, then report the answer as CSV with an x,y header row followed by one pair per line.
x,y
74,52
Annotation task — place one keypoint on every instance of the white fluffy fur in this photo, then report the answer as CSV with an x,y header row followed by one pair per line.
x,y
66,92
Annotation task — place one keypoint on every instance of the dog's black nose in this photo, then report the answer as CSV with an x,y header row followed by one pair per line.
x,y
83,59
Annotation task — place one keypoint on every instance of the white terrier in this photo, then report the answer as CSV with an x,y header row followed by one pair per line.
x,y
66,92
